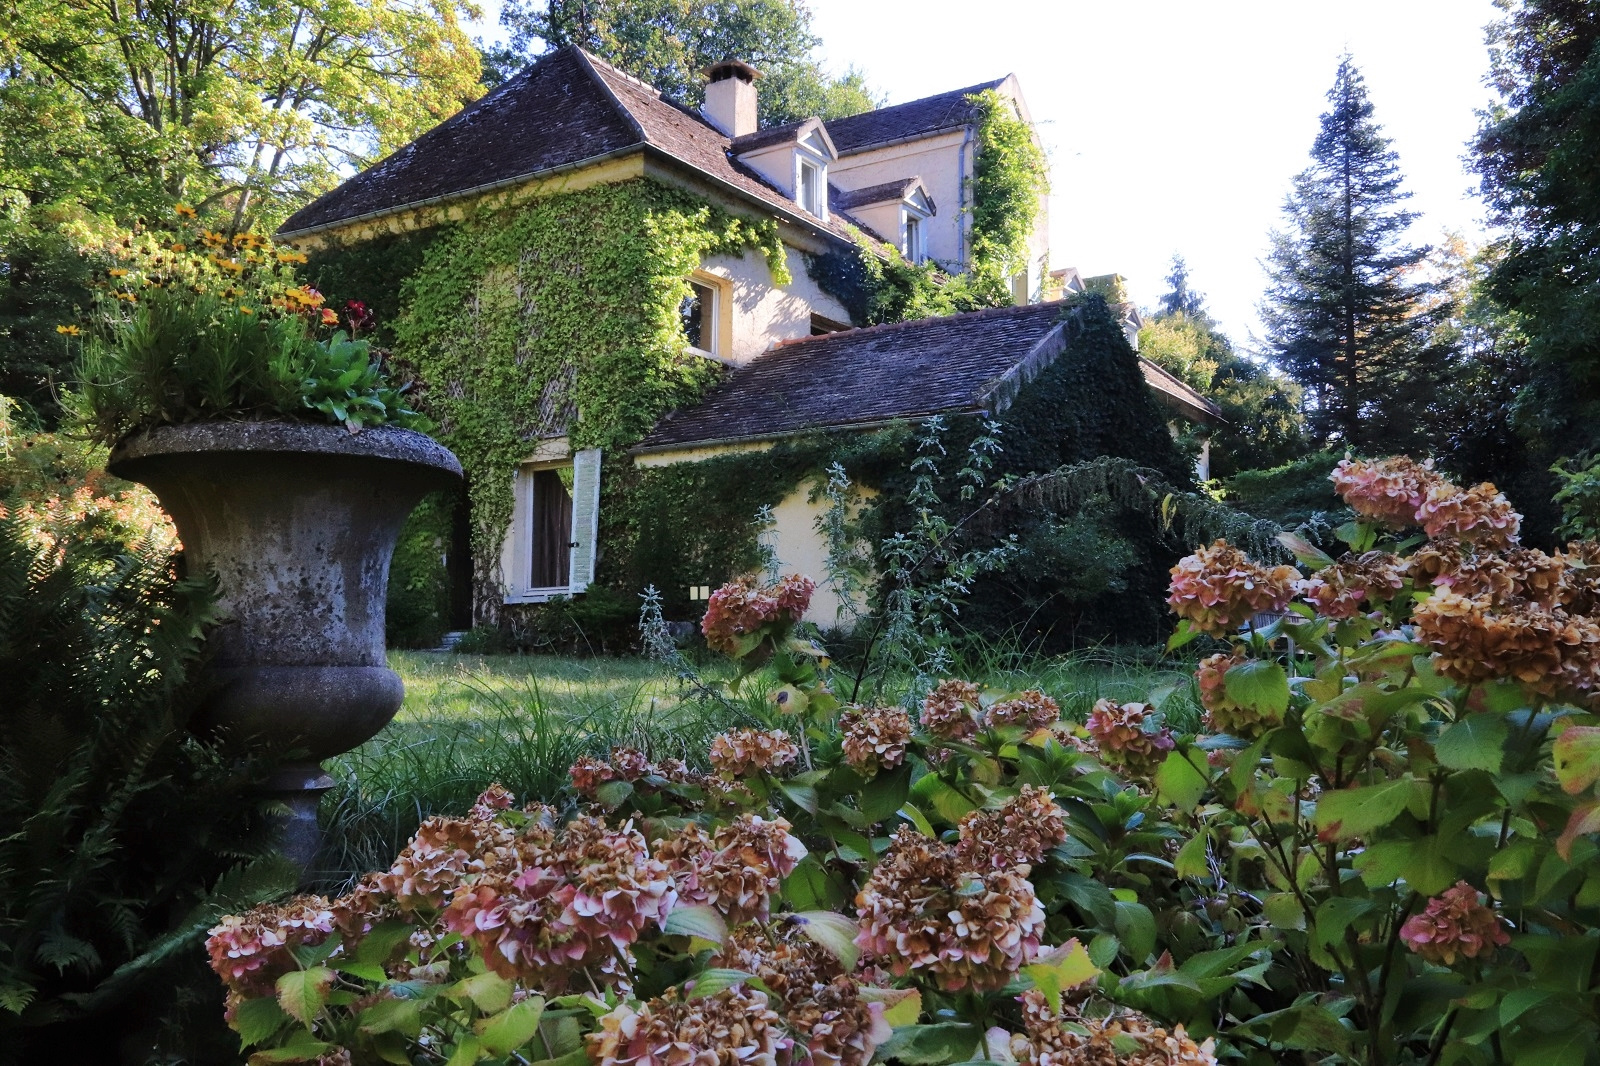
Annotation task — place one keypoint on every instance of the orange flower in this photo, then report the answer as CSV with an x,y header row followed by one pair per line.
x,y
330,317
69,330
183,211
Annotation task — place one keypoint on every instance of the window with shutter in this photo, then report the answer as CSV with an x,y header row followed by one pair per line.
x,y
585,518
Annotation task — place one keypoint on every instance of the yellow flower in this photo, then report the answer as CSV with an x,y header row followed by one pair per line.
x,y
179,247
292,257
118,272
183,211
211,238
247,310
70,331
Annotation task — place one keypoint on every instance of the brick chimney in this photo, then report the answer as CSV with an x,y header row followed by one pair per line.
x,y
731,97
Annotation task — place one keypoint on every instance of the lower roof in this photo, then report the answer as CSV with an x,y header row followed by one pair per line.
x,y
955,364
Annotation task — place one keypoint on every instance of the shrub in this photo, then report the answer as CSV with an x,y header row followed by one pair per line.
x,y
418,601
1380,848
101,892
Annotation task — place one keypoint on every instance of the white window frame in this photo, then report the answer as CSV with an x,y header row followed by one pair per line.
x,y
913,235
802,160
713,316
582,547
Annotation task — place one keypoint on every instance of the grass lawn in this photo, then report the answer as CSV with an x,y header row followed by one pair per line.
x,y
521,720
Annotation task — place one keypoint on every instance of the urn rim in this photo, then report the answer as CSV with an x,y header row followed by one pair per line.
x,y
284,437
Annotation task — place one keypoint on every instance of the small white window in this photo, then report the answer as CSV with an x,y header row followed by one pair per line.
x,y
913,247
699,312
811,187
550,528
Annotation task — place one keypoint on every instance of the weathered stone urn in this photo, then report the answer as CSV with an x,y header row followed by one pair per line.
x,y
298,522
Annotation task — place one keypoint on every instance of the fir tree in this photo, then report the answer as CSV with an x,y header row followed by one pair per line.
x,y
1344,311
1181,298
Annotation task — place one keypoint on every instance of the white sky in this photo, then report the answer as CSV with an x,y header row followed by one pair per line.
x,y
1175,125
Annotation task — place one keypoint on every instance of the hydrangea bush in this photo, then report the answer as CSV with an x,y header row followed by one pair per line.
x,y
1381,850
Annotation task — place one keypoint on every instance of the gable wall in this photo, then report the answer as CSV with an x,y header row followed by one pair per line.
x,y
944,162
762,314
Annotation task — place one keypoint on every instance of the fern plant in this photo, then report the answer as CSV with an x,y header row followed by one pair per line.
x,y
122,836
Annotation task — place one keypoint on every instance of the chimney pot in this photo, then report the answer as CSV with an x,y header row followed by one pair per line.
x,y
731,97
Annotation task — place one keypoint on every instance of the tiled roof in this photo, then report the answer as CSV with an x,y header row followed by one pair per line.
x,y
859,377
887,192
862,376
552,114
567,108
916,118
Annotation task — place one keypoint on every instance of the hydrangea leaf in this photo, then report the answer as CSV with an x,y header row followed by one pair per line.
x,y
699,921
1259,684
1577,756
513,1027
1354,812
303,993
1476,742
835,933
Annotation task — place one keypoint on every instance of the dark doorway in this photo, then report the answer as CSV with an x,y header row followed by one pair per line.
x,y
458,562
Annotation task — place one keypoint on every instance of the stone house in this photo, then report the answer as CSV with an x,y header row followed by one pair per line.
x,y
894,183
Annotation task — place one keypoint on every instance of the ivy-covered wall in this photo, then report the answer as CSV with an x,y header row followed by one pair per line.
x,y
558,316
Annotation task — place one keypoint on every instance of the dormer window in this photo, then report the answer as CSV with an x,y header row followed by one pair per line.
x,y
913,244
810,188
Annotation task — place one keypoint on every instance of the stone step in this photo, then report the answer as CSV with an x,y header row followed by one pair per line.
x,y
449,641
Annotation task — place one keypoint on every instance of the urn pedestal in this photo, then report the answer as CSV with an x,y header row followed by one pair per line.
x,y
298,522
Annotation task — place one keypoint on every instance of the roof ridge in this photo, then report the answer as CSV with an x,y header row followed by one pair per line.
x,y
967,91
887,327
589,64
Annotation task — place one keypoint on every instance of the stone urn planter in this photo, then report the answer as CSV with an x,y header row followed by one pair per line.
x,y
298,522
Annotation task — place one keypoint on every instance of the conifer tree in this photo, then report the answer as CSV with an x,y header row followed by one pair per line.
x,y
1346,316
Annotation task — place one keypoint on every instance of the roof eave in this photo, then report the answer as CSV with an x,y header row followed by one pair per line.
x,y
463,194
836,427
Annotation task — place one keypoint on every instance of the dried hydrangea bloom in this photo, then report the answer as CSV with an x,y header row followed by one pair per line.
x,y
577,905
735,1027
793,596
922,912
1480,514
1031,708
818,1000
1345,588
1580,577
440,855
492,799
742,608
1386,491
951,710
1454,925
1219,588
589,773
1120,739
736,869
875,738
741,752
251,951
1477,639
1123,1039
1019,833
1222,714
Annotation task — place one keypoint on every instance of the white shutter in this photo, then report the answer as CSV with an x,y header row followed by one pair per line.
x,y
585,518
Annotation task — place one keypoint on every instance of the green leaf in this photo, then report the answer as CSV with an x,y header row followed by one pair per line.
x,y
1568,1047
257,1019
303,993
833,932
810,888
802,796
1354,812
701,921
1584,820
613,794
467,1052
1283,911
366,971
1185,632
392,1016
1521,1000
1259,684
901,1006
381,941
710,982
512,1028
1136,927
1476,742
1306,553
935,793
919,820
929,1045
1182,777
1577,756
1060,969
885,793
305,1051
1191,860
488,991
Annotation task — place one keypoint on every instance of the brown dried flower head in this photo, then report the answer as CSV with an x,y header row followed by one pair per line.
x,y
1353,583
1122,1039
734,1027
1019,833
875,738
1219,588
1386,491
742,752
951,710
1121,740
1031,708
922,911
